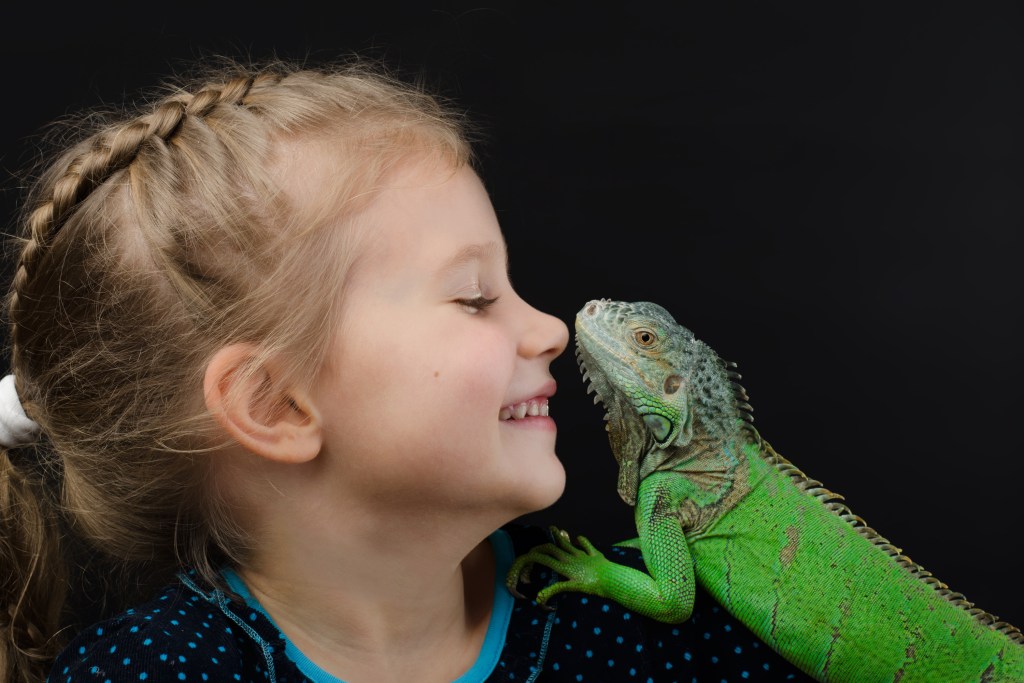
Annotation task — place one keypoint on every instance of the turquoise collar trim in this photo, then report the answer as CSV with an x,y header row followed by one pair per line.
x,y
494,641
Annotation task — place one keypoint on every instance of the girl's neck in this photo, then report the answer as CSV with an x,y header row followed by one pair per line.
x,y
380,606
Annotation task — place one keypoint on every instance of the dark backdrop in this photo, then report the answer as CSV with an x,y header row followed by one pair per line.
x,y
828,196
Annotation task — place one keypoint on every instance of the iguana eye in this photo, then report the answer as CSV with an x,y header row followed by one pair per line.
x,y
645,338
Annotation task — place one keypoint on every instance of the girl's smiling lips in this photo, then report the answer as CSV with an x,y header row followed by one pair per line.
x,y
533,407
536,406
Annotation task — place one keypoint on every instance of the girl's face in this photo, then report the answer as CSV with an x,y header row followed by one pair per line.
x,y
424,394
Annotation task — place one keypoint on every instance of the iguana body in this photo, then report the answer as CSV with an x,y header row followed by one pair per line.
x,y
714,502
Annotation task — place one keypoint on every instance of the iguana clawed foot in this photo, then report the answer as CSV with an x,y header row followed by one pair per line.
x,y
579,563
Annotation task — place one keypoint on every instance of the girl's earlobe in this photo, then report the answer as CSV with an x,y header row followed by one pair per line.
x,y
281,425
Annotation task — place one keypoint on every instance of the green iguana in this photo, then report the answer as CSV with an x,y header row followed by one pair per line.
x,y
714,502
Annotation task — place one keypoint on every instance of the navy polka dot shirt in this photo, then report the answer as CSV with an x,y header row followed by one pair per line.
x,y
191,632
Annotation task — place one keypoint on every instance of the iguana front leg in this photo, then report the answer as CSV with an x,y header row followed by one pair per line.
x,y
666,594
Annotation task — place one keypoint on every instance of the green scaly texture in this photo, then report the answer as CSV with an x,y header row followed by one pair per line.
x,y
715,503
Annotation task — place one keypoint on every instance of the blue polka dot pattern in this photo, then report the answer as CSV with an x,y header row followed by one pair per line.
x,y
597,640
189,632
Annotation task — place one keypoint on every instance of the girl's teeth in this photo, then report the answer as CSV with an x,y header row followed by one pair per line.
x,y
521,410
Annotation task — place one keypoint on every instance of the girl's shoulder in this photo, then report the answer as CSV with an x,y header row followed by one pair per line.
x,y
184,633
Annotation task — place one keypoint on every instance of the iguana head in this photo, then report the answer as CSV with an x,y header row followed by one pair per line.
x,y
658,383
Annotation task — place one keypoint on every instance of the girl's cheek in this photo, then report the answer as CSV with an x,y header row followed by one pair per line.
x,y
482,351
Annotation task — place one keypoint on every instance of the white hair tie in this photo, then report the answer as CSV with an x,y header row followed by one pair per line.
x,y
16,428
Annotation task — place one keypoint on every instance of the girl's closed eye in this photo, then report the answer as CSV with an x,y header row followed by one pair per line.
x,y
476,304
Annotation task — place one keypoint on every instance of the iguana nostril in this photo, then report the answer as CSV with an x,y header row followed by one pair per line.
x,y
591,309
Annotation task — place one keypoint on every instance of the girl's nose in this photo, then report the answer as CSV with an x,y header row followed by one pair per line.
x,y
545,335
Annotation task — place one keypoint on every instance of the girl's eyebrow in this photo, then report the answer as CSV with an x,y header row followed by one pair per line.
x,y
471,253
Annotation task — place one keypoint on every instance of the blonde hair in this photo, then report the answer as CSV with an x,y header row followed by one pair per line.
x,y
158,238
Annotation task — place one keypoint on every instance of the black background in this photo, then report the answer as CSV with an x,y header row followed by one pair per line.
x,y
828,195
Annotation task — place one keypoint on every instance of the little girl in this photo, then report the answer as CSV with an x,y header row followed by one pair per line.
x,y
265,354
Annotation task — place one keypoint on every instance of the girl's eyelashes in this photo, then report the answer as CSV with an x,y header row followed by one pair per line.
x,y
476,304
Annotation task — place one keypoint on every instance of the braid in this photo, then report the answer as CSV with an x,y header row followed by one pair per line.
x,y
110,152
115,150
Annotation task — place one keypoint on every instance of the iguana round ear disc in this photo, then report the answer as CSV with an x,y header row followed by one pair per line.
x,y
661,426
666,433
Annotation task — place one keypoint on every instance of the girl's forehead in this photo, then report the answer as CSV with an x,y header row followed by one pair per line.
x,y
323,176
435,219
436,206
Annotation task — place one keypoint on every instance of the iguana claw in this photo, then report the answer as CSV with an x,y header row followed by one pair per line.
x,y
577,562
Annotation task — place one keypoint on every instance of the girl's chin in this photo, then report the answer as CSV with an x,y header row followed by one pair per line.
x,y
544,485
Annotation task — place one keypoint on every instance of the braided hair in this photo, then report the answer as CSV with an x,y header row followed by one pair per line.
x,y
158,238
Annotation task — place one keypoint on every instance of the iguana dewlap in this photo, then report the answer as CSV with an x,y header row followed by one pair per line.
x,y
713,502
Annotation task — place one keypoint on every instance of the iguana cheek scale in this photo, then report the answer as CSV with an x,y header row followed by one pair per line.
x,y
716,504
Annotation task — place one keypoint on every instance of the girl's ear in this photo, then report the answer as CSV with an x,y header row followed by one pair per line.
x,y
280,425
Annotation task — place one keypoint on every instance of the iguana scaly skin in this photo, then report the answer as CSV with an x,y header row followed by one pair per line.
x,y
714,502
